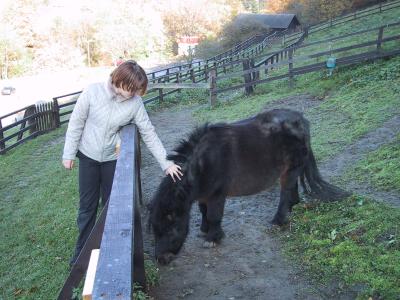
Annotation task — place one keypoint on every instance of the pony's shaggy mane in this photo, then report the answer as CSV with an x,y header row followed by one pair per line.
x,y
186,147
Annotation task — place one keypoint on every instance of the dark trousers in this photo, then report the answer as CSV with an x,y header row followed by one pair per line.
x,y
95,180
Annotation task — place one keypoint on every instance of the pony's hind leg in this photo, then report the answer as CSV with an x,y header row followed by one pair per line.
x,y
215,212
204,222
289,196
295,199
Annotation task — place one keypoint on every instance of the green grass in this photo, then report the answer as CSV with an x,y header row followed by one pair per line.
x,y
372,21
38,213
380,168
362,99
356,241
186,98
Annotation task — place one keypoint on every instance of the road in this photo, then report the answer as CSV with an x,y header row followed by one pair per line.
x,y
45,86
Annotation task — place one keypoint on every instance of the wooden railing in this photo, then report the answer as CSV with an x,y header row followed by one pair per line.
x,y
37,119
310,62
117,233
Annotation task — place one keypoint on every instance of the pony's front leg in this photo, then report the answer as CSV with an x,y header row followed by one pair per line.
x,y
215,212
288,197
204,222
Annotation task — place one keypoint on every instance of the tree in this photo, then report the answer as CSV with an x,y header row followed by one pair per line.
x,y
189,18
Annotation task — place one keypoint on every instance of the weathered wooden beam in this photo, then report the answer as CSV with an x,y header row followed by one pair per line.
x,y
115,268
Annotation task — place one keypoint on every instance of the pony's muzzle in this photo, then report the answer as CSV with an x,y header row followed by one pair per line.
x,y
165,259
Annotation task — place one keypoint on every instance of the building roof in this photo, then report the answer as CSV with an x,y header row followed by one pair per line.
x,y
280,21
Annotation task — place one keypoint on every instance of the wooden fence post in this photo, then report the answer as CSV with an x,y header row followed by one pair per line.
x,y
192,75
247,77
178,81
379,40
291,67
31,110
213,87
2,144
160,93
160,96
56,113
256,74
272,62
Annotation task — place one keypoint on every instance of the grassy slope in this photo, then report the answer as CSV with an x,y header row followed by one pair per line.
x,y
365,254
38,211
355,241
380,168
344,241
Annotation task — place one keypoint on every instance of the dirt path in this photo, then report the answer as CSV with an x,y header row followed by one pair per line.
x,y
249,263
357,151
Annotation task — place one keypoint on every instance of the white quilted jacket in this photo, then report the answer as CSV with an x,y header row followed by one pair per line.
x,y
96,120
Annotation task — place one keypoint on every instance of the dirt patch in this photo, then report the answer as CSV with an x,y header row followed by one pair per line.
x,y
301,103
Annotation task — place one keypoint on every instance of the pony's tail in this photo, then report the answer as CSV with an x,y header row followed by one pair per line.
x,y
315,186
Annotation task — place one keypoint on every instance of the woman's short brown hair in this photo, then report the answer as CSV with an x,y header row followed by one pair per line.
x,y
130,77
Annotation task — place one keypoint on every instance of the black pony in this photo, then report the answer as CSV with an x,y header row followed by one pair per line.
x,y
236,159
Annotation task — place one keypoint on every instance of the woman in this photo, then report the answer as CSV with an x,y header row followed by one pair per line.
x,y
93,135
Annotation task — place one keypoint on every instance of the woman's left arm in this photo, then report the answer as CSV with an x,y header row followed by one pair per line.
x,y
153,142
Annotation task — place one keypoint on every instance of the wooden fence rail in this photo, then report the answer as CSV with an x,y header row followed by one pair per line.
x,y
377,53
117,232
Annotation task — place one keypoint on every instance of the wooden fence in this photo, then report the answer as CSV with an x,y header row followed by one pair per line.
x,y
37,119
254,46
117,233
252,76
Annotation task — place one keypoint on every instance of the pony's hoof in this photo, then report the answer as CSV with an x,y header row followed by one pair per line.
x,y
207,244
278,222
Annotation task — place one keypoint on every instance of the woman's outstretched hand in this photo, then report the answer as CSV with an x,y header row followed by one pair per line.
x,y
173,171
